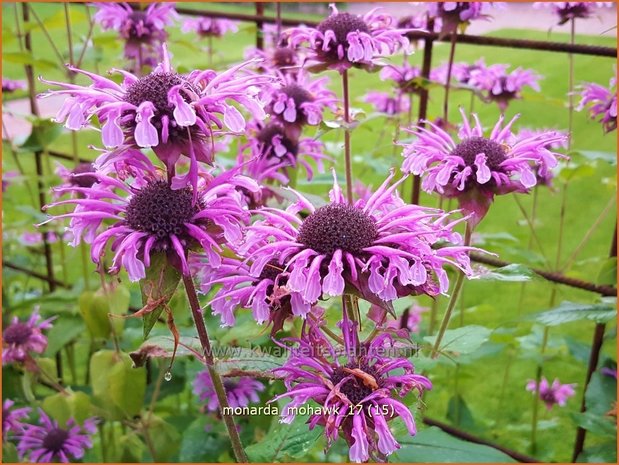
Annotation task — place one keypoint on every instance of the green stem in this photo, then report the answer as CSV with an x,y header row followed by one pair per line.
x,y
454,298
536,400
218,385
347,154
452,52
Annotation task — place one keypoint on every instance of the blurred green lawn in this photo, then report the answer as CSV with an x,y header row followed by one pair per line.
x,y
493,304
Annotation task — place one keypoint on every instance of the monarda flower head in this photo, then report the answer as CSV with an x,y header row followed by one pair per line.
x,y
459,14
240,391
405,77
601,102
567,11
502,86
345,40
277,59
382,248
384,102
12,418
300,100
142,30
358,388
22,338
271,152
209,27
48,442
461,72
171,113
552,394
476,168
12,85
141,214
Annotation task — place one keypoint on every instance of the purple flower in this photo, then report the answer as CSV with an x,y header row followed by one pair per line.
x,y
405,77
209,27
501,86
567,11
606,371
601,103
171,113
20,338
240,391
410,319
140,213
384,102
459,14
49,442
418,21
357,390
273,151
70,176
8,178
461,72
300,100
33,239
556,393
143,30
476,168
275,59
344,40
382,247
544,177
11,418
11,85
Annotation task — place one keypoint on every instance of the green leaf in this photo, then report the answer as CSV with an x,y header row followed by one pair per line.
x,y
120,387
157,288
596,424
44,132
163,347
197,445
131,448
23,58
285,442
459,413
247,362
164,438
608,272
9,452
65,330
464,340
574,172
600,453
433,445
97,307
513,272
601,393
62,407
569,312
610,157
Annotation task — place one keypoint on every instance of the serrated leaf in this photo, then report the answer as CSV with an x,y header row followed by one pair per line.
x,y
433,445
163,347
464,340
513,273
600,425
239,361
569,312
284,442
158,288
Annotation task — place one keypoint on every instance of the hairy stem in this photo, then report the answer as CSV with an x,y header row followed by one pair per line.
x,y
224,406
347,155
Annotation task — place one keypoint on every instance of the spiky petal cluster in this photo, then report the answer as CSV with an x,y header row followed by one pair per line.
x,y
21,338
205,26
171,113
404,76
12,418
461,72
140,214
11,85
567,11
387,103
552,394
142,30
475,168
48,442
502,86
601,102
357,387
240,391
459,14
344,40
380,247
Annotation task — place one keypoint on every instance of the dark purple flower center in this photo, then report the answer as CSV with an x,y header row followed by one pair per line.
x,y
338,226
284,56
160,211
341,24
469,148
230,384
154,88
17,333
360,385
548,396
83,181
138,28
298,94
270,271
455,13
55,439
574,10
266,135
